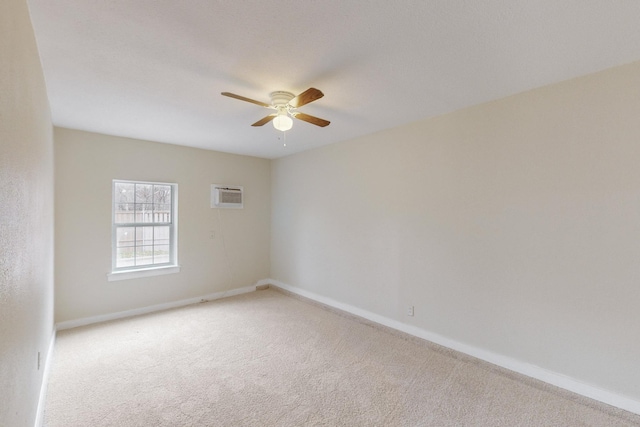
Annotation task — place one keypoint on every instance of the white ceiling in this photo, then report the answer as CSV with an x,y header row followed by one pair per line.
x,y
154,69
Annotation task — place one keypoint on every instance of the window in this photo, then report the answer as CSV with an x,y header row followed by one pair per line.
x,y
144,226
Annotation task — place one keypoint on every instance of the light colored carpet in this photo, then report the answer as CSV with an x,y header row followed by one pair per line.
x,y
270,359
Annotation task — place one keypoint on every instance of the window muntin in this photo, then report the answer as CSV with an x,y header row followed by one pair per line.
x,y
143,225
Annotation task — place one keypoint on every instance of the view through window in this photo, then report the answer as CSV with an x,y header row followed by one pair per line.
x,y
143,225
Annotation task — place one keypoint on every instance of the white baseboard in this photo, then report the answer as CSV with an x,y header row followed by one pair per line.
x,y
45,380
68,324
533,371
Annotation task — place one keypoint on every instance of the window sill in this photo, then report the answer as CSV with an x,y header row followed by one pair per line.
x,y
145,272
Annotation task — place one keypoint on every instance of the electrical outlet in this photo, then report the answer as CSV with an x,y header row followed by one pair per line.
x,y
410,310
212,234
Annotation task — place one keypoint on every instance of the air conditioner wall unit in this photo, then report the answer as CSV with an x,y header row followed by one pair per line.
x,y
227,196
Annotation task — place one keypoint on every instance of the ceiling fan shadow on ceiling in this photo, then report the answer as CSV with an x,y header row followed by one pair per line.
x,y
286,105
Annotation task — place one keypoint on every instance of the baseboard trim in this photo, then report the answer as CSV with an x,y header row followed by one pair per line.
x,y
68,324
45,380
532,371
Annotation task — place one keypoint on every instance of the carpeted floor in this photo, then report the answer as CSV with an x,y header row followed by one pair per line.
x,y
270,359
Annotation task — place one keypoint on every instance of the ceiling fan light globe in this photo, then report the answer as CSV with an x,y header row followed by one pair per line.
x,y
282,122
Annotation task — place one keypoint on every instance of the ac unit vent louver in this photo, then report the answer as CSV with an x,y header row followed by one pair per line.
x,y
226,196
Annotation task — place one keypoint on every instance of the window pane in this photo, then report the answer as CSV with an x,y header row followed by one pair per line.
x,y
162,235
124,192
161,254
144,255
143,207
162,212
125,257
161,194
123,202
162,216
125,236
144,193
124,217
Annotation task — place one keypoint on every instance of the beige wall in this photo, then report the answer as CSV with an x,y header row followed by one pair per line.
x,y
513,226
86,164
26,218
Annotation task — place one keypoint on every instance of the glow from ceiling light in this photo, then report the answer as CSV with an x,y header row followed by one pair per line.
x,y
282,122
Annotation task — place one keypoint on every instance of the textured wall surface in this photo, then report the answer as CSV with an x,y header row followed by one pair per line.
x,y
26,218
512,226
218,249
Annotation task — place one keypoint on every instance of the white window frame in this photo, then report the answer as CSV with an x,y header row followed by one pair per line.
x,y
130,272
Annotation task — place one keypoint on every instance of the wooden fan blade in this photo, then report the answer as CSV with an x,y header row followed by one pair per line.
x,y
242,98
311,119
265,120
306,97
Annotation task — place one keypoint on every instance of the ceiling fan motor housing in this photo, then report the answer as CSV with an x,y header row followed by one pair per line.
x,y
281,98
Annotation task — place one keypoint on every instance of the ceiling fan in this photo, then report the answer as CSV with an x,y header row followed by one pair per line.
x,y
286,105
